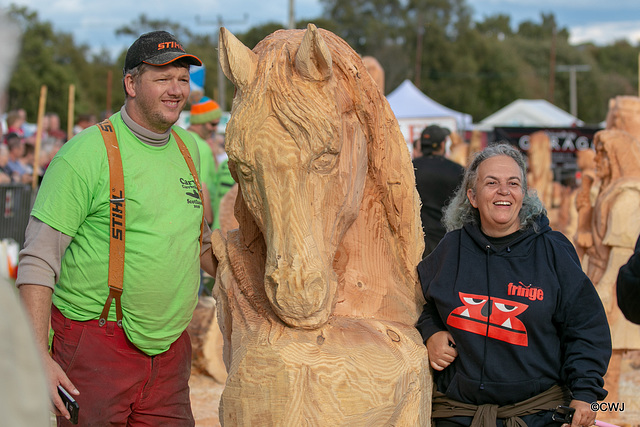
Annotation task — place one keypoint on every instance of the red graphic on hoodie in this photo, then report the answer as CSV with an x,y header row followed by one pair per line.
x,y
500,313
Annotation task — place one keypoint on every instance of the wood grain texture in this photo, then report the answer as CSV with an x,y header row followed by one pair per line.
x,y
317,289
206,340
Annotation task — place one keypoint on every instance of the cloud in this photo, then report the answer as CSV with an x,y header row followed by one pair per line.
x,y
602,33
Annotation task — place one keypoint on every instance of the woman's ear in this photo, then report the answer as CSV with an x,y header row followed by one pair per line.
x,y
471,195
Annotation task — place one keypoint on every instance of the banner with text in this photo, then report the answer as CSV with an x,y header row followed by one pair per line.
x,y
565,142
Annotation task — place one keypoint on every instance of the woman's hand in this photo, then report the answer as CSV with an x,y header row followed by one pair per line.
x,y
441,349
584,416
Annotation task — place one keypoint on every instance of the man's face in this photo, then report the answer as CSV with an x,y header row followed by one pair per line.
x,y
157,96
54,122
210,128
17,150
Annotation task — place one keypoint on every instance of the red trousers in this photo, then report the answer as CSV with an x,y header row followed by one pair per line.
x,y
120,385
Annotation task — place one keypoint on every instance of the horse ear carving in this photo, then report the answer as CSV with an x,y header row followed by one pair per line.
x,y
313,59
238,62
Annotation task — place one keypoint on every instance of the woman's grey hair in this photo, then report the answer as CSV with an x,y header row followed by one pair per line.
x,y
459,211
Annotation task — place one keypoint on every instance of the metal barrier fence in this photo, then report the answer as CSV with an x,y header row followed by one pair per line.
x,y
16,201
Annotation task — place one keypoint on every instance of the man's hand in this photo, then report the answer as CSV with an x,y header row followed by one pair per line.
x,y
37,301
55,377
441,349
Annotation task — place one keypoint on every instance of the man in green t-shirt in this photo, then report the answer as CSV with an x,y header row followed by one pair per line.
x,y
132,368
203,120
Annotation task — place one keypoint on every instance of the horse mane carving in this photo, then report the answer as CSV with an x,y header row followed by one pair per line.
x,y
329,230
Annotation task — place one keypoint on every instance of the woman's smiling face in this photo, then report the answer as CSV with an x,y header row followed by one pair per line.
x,y
498,196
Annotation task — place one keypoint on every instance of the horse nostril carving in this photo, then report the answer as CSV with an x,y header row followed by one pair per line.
x,y
320,340
393,335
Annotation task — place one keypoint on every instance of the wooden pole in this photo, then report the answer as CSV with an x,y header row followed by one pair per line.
x,y
552,66
71,108
419,36
639,74
292,15
109,79
36,154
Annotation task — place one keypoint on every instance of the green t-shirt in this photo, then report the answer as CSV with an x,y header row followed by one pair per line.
x,y
163,215
207,168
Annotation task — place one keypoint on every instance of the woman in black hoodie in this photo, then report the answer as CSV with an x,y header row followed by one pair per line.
x,y
512,325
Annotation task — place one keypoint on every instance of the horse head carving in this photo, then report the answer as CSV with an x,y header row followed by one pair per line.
x,y
325,177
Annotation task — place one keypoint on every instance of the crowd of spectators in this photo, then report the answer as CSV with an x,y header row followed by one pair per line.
x,y
17,145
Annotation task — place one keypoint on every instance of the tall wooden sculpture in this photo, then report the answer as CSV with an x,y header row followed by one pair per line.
x,y
540,175
616,222
375,69
317,290
585,197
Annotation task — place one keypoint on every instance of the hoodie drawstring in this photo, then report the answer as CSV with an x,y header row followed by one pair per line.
x,y
489,310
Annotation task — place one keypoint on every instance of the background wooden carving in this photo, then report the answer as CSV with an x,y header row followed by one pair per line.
x,y
615,223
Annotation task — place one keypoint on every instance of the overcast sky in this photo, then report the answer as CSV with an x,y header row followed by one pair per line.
x,y
94,22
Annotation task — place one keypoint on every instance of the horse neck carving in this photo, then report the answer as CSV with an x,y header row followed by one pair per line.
x,y
326,183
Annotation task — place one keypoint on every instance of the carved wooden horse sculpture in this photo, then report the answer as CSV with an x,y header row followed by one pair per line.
x,y
317,290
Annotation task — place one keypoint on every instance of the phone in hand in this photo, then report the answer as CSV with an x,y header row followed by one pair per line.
x,y
563,414
69,403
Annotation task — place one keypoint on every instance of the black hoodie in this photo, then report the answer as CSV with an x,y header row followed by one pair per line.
x,y
547,324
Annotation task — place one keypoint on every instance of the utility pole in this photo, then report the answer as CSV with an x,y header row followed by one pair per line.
x,y
573,95
552,65
420,36
292,14
221,82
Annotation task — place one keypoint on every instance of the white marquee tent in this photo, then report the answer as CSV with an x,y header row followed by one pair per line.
x,y
415,111
529,113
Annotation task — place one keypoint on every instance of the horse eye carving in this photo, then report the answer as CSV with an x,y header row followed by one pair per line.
x,y
325,162
245,171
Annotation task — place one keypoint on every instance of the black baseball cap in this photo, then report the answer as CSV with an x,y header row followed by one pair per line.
x,y
432,136
157,48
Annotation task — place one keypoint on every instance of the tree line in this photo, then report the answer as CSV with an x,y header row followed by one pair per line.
x,y
476,67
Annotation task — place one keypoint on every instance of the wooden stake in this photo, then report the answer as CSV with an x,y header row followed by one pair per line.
x,y
109,79
70,118
36,154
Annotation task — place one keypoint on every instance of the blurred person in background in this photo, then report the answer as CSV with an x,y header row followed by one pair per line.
x,y
19,173
84,121
5,173
203,121
15,120
436,181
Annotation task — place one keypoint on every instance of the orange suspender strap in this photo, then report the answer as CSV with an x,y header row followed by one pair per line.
x,y
117,208
194,174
